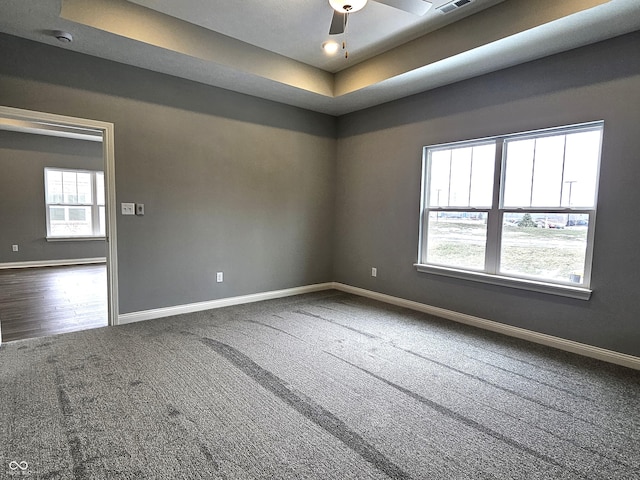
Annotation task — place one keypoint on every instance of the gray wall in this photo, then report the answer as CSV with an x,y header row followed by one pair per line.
x,y
378,189
257,189
230,182
23,158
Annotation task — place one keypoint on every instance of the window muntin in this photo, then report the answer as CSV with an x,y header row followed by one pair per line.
x,y
533,211
74,203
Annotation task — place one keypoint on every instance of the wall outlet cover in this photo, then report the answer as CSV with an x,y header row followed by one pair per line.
x,y
128,208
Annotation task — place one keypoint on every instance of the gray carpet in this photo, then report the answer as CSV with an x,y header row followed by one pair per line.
x,y
319,386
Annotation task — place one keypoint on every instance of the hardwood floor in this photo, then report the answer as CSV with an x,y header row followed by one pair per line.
x,y
35,302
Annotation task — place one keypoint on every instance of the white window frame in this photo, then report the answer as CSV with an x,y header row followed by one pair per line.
x,y
495,214
94,205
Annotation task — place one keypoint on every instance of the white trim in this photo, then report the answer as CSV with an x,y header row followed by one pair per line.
x,y
143,315
52,263
24,126
106,130
517,332
539,132
75,239
579,293
108,154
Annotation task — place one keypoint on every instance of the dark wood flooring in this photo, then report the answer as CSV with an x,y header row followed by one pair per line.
x,y
36,302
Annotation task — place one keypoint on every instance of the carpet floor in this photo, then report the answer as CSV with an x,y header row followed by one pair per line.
x,y
320,386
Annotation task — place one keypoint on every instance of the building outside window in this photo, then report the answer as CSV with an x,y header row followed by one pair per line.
x,y
518,207
75,205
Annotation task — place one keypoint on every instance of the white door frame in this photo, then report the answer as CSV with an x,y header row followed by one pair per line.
x,y
71,126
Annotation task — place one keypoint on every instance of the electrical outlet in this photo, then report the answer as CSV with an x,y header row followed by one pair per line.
x,y
14,248
139,208
219,277
374,272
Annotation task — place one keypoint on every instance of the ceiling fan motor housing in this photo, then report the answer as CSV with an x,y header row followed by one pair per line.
x,y
347,6
342,9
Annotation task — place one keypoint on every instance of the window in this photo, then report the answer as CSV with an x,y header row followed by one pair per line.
x,y
517,210
74,203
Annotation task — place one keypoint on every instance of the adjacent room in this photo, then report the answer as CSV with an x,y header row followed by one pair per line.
x,y
53,207
322,240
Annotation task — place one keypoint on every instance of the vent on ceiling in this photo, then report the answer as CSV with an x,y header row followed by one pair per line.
x,y
451,6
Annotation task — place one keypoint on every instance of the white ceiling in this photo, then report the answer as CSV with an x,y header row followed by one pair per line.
x,y
297,29
271,48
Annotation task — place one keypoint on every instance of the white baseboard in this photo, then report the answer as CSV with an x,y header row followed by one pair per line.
x,y
52,263
517,332
529,335
140,316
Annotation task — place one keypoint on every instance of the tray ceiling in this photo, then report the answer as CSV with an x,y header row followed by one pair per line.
x,y
271,48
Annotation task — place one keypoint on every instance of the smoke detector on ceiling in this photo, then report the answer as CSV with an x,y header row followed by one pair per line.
x,y
451,6
64,37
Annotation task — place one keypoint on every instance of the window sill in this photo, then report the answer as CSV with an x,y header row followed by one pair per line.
x,y
73,239
579,293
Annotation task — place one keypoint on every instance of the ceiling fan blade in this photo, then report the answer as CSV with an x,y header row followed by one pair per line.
x,y
338,23
417,7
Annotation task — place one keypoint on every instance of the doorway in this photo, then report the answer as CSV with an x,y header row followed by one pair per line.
x,y
51,125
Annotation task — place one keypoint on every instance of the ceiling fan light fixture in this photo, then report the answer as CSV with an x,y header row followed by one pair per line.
x,y
347,6
330,47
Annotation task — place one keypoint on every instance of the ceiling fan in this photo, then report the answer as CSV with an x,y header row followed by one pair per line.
x,y
342,9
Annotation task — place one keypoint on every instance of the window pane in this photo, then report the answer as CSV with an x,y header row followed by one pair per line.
x,y
440,162
519,172
54,186
460,177
553,171
56,214
546,246
457,239
547,171
482,169
77,223
101,218
100,188
581,169
69,187
84,188
77,215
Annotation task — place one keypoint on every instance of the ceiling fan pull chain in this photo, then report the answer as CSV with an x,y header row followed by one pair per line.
x,y
344,41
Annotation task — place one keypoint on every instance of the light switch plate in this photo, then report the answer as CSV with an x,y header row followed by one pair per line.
x,y
128,208
139,208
